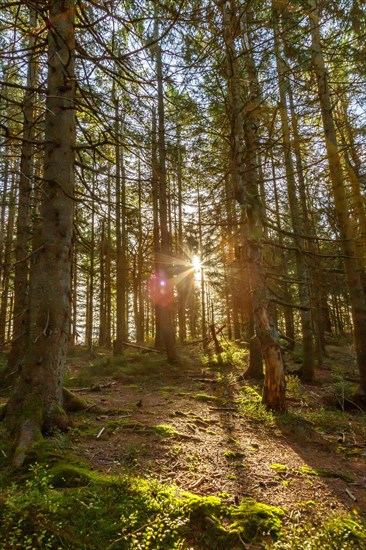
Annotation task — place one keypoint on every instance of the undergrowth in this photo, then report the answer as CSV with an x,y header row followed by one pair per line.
x,y
338,533
70,507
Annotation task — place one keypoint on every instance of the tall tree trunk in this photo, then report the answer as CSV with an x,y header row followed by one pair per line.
x,y
74,286
20,311
37,402
140,265
102,293
165,275
90,285
157,330
354,278
121,260
182,286
296,219
244,173
5,311
288,313
314,270
4,199
202,274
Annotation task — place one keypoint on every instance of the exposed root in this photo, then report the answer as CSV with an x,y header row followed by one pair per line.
x,y
73,403
29,434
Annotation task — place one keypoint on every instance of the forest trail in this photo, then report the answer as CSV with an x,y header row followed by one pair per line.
x,y
203,428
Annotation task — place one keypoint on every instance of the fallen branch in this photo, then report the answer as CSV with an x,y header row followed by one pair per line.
x,y
351,495
196,342
223,409
137,346
197,483
97,387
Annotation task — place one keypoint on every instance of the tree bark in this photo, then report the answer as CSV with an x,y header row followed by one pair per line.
x,y
20,310
244,173
296,219
36,404
352,268
5,297
165,275
121,259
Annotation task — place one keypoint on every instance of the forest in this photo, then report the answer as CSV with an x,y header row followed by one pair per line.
x,y
183,274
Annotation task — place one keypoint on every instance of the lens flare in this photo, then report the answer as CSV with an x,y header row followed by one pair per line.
x,y
196,263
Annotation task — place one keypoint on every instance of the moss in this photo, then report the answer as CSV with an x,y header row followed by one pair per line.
x,y
164,430
220,526
80,508
254,519
71,475
347,532
74,403
251,406
279,467
33,409
233,455
205,397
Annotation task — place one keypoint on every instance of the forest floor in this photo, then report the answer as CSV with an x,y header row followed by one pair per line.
x,y
142,468
201,426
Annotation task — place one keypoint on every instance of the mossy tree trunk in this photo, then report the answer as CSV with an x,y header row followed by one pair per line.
x,y
37,402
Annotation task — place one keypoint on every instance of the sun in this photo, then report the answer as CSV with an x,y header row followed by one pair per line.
x,y
196,263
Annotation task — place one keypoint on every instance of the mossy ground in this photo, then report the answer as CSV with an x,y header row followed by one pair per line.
x,y
161,468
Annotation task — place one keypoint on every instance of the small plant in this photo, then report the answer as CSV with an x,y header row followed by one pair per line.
x,y
293,387
345,533
250,404
343,389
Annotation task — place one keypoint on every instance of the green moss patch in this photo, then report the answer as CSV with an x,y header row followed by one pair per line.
x,y
205,397
69,506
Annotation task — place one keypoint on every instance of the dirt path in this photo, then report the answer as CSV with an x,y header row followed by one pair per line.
x,y
203,430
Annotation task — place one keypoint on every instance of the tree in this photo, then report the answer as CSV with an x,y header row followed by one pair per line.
x,y
37,403
352,266
244,174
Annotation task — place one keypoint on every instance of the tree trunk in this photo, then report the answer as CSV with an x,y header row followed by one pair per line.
x,y
202,278
296,219
20,311
90,285
314,270
244,173
121,268
354,278
288,313
157,331
165,275
102,288
5,314
37,402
